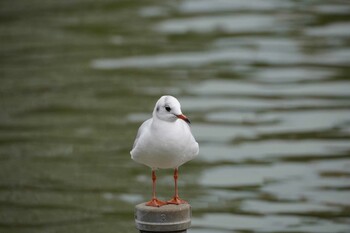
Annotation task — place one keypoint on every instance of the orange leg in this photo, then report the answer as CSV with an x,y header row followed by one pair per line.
x,y
176,199
154,202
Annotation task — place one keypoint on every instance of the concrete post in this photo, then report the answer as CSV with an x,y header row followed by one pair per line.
x,y
166,219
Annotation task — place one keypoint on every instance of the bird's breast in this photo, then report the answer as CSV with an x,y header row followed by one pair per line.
x,y
166,145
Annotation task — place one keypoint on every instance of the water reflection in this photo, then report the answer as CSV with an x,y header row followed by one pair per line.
x,y
273,223
267,150
264,83
233,24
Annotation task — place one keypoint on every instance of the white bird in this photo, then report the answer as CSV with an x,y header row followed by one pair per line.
x,y
165,141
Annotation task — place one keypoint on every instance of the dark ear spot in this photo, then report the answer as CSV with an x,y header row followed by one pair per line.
x,y
157,109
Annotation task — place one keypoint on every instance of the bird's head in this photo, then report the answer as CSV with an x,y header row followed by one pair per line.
x,y
168,108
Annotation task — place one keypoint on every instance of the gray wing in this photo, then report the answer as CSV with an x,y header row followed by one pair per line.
x,y
141,130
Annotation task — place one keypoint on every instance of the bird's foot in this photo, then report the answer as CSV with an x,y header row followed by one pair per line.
x,y
155,203
176,201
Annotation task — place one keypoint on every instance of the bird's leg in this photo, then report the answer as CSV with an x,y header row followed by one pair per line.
x,y
154,202
176,199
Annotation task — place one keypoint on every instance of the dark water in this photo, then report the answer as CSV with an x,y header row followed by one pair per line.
x,y
265,83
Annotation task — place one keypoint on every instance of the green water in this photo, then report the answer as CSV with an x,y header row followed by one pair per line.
x,y
265,84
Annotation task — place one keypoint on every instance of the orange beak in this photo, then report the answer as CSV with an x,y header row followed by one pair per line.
x,y
183,117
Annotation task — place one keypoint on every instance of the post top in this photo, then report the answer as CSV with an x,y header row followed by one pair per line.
x,y
164,208
166,218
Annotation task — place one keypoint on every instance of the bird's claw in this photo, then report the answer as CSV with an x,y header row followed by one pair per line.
x,y
156,203
176,201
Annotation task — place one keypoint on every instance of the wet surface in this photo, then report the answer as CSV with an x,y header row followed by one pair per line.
x,y
265,84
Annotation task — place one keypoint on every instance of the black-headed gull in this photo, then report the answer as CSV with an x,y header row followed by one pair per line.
x,y
165,141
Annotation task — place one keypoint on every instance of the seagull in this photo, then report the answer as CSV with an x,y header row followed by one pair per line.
x,y
165,141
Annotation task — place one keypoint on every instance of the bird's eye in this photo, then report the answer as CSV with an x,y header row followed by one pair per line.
x,y
167,108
